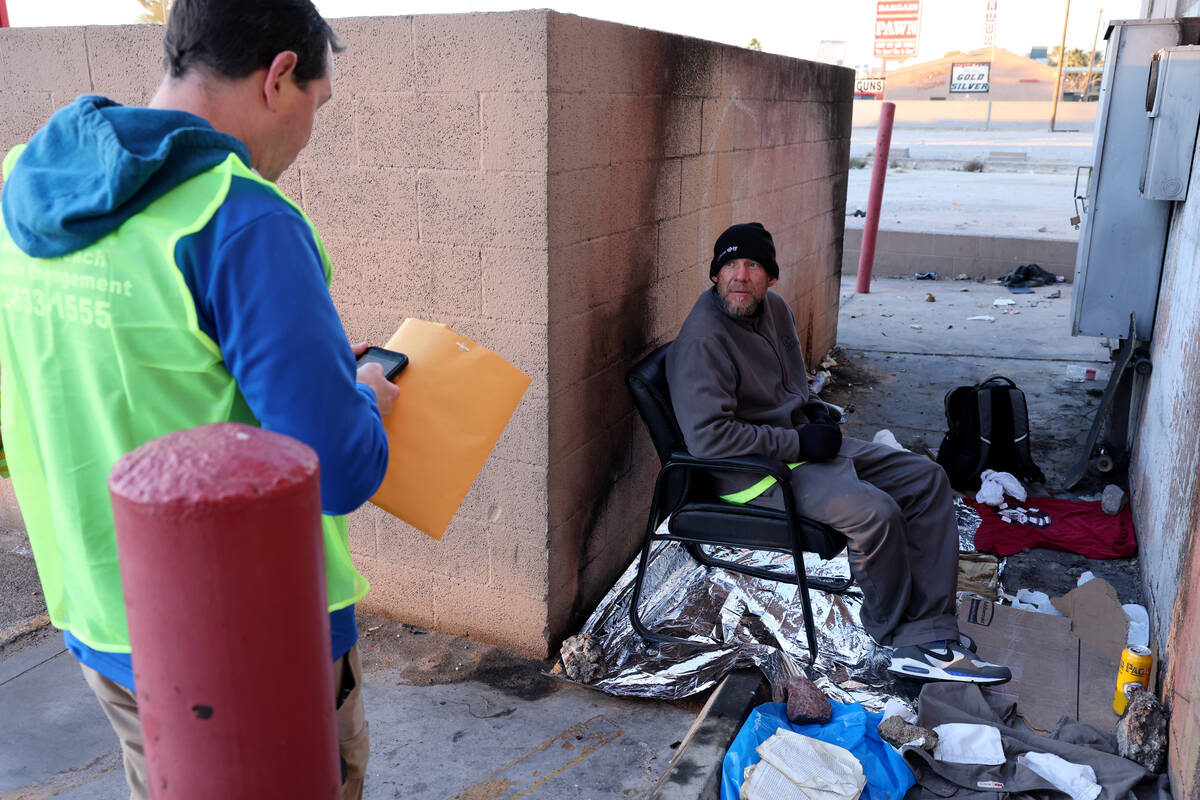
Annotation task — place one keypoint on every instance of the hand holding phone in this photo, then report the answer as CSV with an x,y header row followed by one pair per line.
x,y
391,361
389,364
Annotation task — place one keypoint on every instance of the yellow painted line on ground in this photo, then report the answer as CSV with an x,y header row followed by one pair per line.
x,y
66,779
543,762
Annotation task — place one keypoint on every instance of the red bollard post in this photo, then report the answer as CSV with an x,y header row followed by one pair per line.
x,y
223,568
883,145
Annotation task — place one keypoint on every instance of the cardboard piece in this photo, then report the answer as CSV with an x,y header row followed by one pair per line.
x,y
1056,673
1096,617
456,397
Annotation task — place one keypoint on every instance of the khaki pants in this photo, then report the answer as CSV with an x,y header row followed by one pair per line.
x,y
120,706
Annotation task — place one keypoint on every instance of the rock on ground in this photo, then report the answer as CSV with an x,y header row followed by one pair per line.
x,y
1142,732
806,703
896,732
1113,499
582,658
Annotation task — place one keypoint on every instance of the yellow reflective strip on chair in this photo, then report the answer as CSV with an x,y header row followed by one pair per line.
x,y
748,494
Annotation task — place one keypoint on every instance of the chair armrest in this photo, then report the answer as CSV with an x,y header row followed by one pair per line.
x,y
759,465
838,412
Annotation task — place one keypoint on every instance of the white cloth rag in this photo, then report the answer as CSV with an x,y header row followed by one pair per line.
x,y
888,438
967,743
1077,780
797,766
994,485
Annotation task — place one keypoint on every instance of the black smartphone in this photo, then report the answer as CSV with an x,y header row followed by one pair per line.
x,y
391,361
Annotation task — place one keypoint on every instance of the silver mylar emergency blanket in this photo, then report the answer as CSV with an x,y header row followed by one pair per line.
x,y
734,620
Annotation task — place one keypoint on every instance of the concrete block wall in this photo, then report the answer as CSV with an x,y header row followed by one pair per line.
x,y
657,144
550,186
426,177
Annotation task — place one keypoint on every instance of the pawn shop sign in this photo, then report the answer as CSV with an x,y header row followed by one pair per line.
x,y
897,28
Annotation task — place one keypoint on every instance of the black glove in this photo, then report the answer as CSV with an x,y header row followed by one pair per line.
x,y
818,412
819,442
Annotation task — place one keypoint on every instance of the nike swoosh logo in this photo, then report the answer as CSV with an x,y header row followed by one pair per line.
x,y
946,657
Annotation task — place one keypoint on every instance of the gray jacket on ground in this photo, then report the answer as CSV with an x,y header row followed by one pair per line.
x,y
1119,778
746,382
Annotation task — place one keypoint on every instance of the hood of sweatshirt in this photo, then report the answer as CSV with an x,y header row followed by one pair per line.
x,y
97,163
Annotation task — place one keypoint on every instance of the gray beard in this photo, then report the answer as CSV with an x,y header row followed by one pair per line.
x,y
740,313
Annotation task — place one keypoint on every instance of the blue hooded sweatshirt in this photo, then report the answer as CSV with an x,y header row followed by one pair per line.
x,y
254,272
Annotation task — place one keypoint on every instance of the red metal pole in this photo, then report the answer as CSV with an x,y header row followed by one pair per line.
x,y
883,145
219,536
3,14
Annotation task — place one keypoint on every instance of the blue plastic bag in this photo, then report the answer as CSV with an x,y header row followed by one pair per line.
x,y
852,727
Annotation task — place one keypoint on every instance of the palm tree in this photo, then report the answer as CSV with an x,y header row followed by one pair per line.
x,y
754,45
155,12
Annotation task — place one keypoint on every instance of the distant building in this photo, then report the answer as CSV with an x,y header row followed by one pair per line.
x,y
832,51
1041,54
989,73
868,82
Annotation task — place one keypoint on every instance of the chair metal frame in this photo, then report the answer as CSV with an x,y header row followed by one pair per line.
x,y
678,498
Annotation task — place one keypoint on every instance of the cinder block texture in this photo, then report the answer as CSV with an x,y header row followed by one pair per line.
x,y
378,57
109,48
657,143
481,52
47,60
419,130
550,186
21,114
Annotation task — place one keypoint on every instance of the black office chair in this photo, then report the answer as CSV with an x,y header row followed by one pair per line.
x,y
683,491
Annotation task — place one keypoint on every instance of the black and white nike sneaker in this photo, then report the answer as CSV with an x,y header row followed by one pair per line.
x,y
945,661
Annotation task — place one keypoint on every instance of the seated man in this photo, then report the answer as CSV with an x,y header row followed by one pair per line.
x,y
739,387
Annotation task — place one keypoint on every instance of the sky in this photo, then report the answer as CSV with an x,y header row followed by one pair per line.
x,y
788,27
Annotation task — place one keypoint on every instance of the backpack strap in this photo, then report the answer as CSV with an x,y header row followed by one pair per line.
x,y
1020,424
997,379
983,400
950,422
954,400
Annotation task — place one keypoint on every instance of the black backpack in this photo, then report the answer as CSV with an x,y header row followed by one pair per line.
x,y
989,429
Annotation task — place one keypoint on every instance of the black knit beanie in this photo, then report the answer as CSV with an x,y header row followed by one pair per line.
x,y
747,240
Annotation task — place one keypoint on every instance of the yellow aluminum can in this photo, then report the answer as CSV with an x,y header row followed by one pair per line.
x,y
1132,676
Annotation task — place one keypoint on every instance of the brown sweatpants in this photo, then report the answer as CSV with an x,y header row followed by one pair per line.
x,y
897,511
120,706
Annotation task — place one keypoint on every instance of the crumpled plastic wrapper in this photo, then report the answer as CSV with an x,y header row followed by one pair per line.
x,y
968,524
734,620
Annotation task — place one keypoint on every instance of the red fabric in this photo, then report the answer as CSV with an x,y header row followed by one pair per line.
x,y
1075,526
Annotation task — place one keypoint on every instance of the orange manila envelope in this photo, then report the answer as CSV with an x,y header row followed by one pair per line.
x,y
456,396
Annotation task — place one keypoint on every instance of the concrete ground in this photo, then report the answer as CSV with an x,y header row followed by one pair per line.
x,y
1040,146
927,191
1028,205
899,354
453,718
449,718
